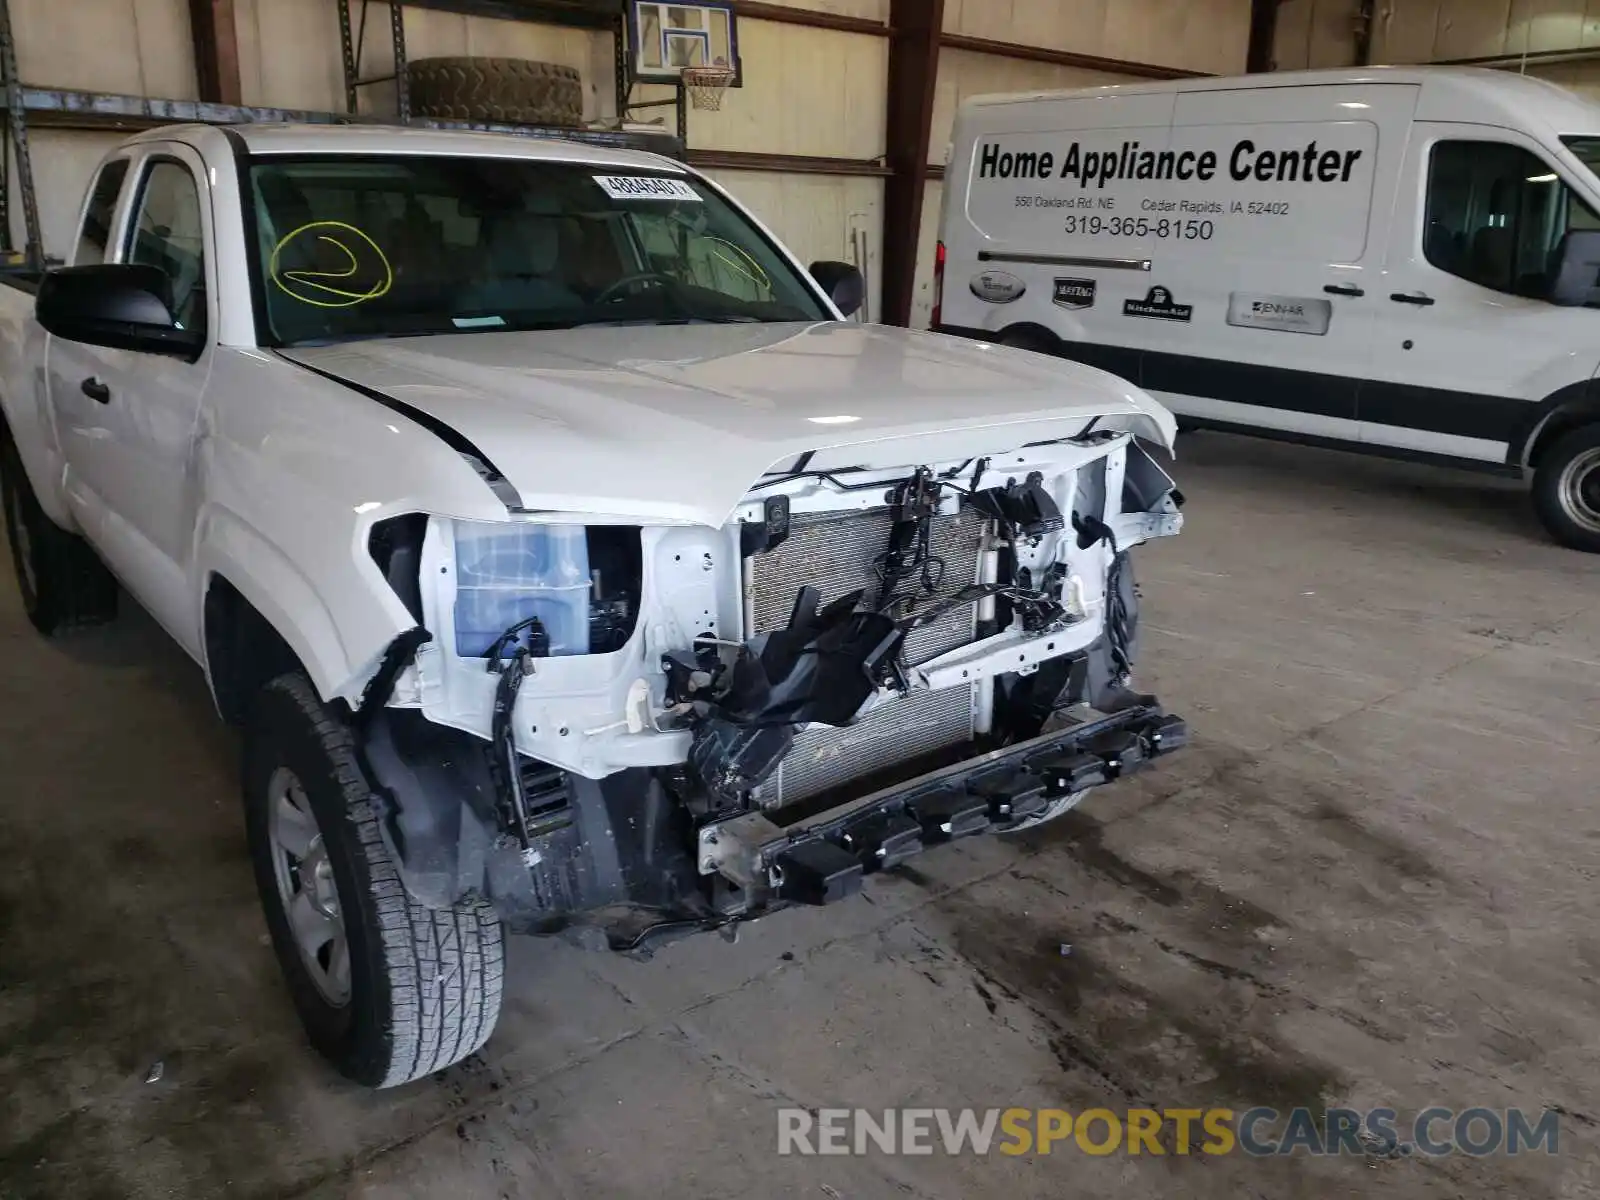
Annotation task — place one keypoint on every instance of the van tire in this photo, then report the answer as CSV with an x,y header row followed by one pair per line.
x,y
420,987
62,581
1566,489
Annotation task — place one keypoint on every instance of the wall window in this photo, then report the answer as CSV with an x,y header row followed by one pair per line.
x,y
96,232
168,233
1496,216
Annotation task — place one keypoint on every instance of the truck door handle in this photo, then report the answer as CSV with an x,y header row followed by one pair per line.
x,y
1342,289
96,391
1416,298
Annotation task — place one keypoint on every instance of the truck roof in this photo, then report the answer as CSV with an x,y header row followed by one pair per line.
x,y
273,138
1448,93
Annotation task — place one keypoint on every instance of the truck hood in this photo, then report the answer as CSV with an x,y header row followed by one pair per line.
x,y
678,422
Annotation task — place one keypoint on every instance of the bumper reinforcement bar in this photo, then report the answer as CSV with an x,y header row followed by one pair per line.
x,y
823,858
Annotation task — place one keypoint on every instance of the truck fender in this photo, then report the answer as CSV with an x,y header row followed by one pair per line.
x,y
284,597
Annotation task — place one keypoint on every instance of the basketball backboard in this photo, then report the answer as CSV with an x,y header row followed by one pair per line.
x,y
664,38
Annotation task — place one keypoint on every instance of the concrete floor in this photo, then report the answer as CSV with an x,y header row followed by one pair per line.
x,y
1371,881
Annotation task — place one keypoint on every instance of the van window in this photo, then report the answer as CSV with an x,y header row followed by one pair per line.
x,y
1496,215
96,232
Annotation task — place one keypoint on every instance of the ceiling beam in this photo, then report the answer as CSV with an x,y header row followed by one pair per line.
x,y
913,71
1366,19
216,51
1065,58
1263,33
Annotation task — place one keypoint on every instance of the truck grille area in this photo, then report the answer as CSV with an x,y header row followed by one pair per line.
x,y
834,553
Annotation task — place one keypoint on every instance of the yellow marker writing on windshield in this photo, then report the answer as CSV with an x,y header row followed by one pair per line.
x,y
334,289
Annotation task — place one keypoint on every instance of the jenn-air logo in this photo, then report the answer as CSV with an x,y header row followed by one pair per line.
x,y
1281,314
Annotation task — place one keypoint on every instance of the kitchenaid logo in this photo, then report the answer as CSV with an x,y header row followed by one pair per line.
x,y
1282,314
1158,304
1243,161
1074,293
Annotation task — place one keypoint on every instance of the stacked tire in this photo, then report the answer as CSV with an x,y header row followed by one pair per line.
x,y
515,91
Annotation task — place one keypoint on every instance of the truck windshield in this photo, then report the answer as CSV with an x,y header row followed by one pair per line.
x,y
349,247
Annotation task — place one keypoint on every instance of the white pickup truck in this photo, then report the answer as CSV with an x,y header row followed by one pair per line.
x,y
568,559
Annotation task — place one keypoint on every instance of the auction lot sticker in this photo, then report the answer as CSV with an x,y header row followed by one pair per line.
x,y
645,187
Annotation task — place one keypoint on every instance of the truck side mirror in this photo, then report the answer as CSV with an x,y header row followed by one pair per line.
x,y
843,283
1575,281
120,305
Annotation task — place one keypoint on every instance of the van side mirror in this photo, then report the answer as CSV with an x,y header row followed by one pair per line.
x,y
1575,281
843,283
120,305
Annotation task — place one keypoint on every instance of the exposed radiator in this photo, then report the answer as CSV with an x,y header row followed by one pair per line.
x,y
834,554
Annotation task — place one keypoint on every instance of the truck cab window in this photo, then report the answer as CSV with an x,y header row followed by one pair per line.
x,y
96,232
1496,215
168,233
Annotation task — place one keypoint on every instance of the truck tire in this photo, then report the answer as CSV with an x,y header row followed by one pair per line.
x,y
388,991
1566,489
517,91
62,581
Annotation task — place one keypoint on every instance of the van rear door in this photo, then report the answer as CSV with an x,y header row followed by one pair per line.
x,y
1280,288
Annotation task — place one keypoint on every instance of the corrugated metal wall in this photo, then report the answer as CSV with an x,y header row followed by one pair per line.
x,y
1320,33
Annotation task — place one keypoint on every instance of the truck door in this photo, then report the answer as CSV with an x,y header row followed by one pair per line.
x,y
127,419
1273,263
1467,345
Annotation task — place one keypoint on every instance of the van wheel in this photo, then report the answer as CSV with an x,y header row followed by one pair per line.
x,y
62,582
1566,489
388,991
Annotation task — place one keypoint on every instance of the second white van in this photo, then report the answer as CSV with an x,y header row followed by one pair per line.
x,y
1397,260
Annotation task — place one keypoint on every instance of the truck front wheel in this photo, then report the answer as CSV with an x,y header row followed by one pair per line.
x,y
61,581
1566,489
388,990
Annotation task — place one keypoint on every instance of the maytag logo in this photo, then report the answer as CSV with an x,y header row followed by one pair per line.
x,y
1074,293
1159,305
1280,314
996,287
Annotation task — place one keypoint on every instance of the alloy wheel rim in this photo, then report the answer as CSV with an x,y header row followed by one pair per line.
x,y
306,887
1579,490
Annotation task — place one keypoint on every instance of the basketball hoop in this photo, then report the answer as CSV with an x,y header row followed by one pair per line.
x,y
706,85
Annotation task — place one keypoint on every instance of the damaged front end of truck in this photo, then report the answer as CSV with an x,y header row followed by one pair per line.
x,y
620,730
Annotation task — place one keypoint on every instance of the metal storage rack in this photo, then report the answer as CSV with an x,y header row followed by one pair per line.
x,y
608,16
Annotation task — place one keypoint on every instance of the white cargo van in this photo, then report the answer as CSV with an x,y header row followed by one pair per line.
x,y
1396,260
